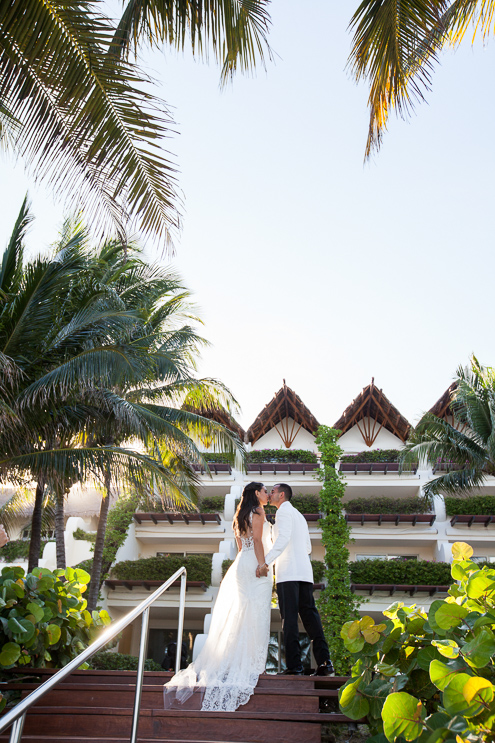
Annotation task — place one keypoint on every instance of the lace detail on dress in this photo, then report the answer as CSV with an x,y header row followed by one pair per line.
x,y
247,543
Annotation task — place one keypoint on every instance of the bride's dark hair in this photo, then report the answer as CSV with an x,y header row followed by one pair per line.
x,y
249,501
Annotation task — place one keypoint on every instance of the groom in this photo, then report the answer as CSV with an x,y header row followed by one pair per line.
x,y
294,574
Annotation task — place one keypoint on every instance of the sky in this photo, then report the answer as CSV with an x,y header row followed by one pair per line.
x,y
308,264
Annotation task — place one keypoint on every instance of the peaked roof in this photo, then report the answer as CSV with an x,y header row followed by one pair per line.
x,y
285,404
442,407
371,403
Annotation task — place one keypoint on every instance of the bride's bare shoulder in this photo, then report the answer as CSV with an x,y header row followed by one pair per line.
x,y
259,511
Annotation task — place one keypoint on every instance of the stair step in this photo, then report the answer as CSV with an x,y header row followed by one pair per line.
x,y
93,697
238,727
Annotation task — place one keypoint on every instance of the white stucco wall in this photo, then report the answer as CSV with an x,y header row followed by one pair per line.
x,y
352,440
273,440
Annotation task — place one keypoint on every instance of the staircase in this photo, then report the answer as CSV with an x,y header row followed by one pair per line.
x,y
96,707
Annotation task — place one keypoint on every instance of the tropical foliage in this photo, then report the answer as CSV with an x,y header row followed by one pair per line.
x,y
160,568
44,619
97,350
374,455
386,504
337,604
398,571
80,110
397,44
468,442
107,660
282,455
475,505
428,676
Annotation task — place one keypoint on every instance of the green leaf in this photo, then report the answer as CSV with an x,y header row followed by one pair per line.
x,y
450,615
82,576
53,631
447,648
480,649
36,610
461,551
22,627
386,669
480,584
454,700
426,655
478,689
402,716
435,606
9,654
377,692
441,674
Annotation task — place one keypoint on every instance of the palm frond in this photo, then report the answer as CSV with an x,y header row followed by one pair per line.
x,y
387,37
88,129
11,268
236,31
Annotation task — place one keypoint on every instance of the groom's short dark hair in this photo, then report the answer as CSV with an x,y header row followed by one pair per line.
x,y
286,489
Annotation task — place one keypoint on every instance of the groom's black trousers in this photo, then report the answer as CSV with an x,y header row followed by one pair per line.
x,y
295,598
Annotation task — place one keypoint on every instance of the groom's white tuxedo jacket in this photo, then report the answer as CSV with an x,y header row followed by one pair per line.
x,y
291,546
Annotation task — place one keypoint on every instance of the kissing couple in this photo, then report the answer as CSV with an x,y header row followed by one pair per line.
x,y
226,670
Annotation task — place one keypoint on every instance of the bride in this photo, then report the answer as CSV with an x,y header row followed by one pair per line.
x,y
226,670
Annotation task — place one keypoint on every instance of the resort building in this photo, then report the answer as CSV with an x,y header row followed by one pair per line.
x,y
386,509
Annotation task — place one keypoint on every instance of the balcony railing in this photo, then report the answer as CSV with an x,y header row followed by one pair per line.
x,y
290,468
215,468
173,518
391,518
382,468
390,588
463,519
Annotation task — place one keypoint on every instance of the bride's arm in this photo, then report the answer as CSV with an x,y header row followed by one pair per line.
x,y
258,520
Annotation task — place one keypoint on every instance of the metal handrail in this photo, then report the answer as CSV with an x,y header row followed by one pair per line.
x,y
16,717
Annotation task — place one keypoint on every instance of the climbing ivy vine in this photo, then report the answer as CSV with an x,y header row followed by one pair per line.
x,y
337,604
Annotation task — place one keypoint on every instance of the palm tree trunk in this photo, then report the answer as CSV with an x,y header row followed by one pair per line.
x,y
94,586
35,544
60,527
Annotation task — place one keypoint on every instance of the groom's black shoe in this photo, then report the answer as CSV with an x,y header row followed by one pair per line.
x,y
292,672
324,669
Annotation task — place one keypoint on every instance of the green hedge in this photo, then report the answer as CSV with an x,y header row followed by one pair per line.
x,y
161,568
477,505
412,572
212,504
18,549
282,455
318,569
384,504
219,458
306,503
106,661
377,455
84,536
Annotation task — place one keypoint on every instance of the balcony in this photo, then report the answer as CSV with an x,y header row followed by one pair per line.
x,y
470,519
289,468
214,468
390,518
391,589
181,518
382,468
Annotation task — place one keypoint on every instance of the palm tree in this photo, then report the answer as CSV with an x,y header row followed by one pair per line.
x,y
110,362
468,442
41,337
396,45
76,110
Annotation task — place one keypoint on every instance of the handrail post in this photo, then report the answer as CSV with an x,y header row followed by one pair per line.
x,y
180,627
16,730
143,646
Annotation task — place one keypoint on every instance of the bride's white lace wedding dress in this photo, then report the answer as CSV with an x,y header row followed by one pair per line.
x,y
224,674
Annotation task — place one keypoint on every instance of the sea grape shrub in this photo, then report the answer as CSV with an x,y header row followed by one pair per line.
x,y
428,676
43,616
